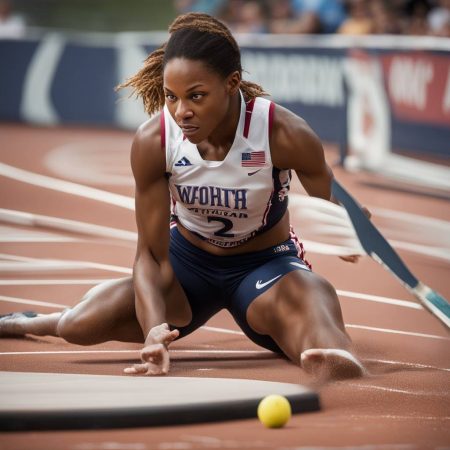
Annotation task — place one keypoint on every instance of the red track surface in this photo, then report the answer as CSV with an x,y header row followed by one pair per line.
x,y
404,404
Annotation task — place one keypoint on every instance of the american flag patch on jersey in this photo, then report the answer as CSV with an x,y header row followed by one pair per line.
x,y
253,159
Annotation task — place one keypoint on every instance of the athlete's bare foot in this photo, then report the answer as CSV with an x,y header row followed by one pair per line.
x,y
13,324
331,364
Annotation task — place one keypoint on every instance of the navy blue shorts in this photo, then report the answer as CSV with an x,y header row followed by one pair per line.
x,y
213,283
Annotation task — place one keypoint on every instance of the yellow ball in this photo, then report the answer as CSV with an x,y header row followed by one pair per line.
x,y
274,411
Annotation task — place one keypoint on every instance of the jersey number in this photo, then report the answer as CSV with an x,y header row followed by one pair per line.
x,y
227,226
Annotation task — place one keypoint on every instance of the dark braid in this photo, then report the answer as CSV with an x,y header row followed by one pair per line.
x,y
195,36
204,23
147,83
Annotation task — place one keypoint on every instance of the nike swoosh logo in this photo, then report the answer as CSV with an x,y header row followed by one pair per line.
x,y
260,285
253,173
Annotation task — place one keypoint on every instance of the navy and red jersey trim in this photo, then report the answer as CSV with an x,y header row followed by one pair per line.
x,y
162,124
248,116
271,115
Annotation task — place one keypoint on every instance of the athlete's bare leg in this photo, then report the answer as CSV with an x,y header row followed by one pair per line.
x,y
18,324
106,312
301,312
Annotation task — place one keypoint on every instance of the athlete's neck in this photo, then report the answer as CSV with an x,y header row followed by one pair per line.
x,y
223,136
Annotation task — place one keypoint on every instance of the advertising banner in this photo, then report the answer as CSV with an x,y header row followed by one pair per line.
x,y
366,95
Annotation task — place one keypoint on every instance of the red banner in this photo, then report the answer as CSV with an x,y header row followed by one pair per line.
x,y
419,86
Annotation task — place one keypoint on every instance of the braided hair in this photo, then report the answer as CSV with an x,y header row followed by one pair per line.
x,y
194,36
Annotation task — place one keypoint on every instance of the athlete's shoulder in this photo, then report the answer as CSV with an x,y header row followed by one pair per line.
x,y
291,138
149,133
147,154
287,122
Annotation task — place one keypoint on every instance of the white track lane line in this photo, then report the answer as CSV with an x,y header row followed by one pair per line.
x,y
418,222
379,299
363,387
202,352
38,240
387,330
414,365
426,250
56,223
13,233
55,184
53,282
57,266
261,353
413,416
362,327
27,264
26,301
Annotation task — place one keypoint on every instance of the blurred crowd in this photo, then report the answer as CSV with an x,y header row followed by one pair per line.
x,y
354,17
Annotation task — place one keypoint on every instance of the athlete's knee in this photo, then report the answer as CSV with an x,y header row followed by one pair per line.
x,y
323,287
320,321
73,327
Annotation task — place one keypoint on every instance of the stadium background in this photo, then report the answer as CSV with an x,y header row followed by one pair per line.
x,y
381,96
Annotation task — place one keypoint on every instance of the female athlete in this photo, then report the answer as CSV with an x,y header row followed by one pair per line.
x,y
212,169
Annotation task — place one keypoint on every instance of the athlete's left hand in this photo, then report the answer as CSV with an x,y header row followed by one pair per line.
x,y
155,355
350,258
355,258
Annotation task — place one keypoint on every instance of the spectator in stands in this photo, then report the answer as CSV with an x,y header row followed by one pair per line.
x,y
359,20
205,6
11,25
282,18
319,16
385,18
230,13
415,19
252,18
438,19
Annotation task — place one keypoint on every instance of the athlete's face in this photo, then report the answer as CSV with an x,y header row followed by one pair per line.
x,y
197,97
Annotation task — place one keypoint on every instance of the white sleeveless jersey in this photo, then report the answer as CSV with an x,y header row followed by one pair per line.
x,y
227,202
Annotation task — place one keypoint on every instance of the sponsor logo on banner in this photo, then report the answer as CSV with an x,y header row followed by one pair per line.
x,y
369,124
419,86
309,79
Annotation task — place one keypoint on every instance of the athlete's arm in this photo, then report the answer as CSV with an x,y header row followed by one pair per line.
x,y
152,271
294,145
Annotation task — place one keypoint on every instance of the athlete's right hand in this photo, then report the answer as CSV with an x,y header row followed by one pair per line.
x,y
355,258
155,354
